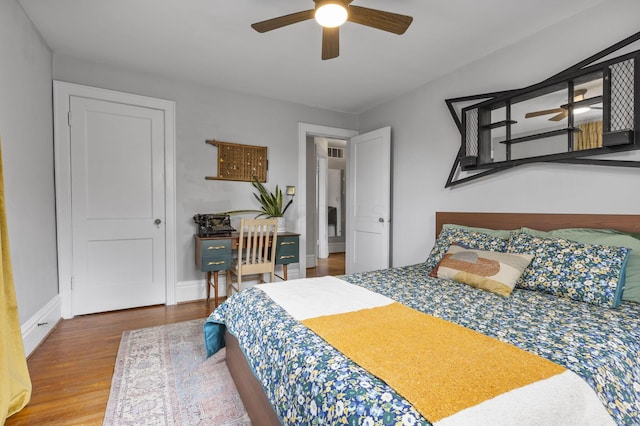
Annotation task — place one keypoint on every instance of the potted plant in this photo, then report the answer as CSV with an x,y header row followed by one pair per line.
x,y
270,204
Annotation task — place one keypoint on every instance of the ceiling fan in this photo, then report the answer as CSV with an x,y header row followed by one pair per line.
x,y
563,111
331,14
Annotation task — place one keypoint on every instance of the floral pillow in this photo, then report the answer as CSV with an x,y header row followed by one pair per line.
x,y
488,270
585,272
607,237
465,238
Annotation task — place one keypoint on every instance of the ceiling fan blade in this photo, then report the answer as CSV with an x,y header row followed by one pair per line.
x,y
560,116
386,21
544,112
330,43
283,21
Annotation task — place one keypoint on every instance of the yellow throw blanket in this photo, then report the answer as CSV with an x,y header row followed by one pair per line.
x,y
440,367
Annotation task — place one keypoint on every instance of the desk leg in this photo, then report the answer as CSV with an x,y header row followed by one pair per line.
x,y
284,271
215,287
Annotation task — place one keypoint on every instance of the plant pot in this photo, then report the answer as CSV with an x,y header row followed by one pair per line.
x,y
281,224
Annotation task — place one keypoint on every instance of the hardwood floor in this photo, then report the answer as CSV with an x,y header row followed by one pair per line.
x,y
71,370
333,265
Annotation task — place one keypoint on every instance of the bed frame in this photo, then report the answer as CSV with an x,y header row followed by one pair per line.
x,y
251,390
540,221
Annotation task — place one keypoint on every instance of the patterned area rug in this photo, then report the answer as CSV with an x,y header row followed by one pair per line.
x,y
161,377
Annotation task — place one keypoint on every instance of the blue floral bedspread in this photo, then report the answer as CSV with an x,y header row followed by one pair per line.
x,y
309,382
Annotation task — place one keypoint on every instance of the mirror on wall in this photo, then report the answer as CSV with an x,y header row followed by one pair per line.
x,y
585,111
558,119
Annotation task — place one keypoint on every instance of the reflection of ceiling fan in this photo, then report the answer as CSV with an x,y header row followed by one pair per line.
x,y
333,13
563,111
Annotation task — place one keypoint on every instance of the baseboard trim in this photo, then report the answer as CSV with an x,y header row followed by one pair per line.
x,y
312,261
36,329
187,291
337,247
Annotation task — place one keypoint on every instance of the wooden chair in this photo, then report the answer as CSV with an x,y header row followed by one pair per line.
x,y
255,256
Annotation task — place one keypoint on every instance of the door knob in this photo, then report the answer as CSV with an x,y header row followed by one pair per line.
x,y
157,222
381,220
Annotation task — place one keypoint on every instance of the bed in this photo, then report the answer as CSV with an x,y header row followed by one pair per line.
x,y
287,374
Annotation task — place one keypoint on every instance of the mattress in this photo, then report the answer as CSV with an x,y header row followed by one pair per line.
x,y
308,381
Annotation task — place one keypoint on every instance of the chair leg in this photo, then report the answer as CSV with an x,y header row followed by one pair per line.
x,y
229,283
239,281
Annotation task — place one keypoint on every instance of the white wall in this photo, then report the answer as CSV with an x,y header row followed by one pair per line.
x,y
426,140
209,113
27,148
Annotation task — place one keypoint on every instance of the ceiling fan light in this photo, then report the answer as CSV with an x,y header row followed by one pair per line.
x,y
331,14
581,110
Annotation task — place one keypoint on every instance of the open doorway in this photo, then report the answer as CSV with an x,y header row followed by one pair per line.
x,y
368,207
329,193
307,222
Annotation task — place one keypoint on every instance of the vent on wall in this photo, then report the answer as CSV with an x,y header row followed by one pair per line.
x,y
336,152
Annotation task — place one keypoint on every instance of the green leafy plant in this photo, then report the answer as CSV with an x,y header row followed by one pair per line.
x,y
270,202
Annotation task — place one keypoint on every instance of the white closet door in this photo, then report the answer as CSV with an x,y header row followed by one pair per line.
x,y
118,210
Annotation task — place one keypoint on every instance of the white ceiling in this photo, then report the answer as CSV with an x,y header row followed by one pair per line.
x,y
211,42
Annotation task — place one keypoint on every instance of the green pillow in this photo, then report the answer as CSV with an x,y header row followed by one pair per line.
x,y
607,237
463,237
498,233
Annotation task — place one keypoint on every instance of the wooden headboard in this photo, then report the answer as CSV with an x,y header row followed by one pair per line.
x,y
540,221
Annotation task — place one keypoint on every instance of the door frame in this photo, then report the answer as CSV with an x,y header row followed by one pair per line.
x,y
62,91
305,130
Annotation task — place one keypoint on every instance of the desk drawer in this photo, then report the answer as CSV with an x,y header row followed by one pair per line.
x,y
288,250
216,263
216,255
214,248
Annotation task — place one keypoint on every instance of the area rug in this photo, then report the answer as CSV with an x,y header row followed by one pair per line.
x,y
162,377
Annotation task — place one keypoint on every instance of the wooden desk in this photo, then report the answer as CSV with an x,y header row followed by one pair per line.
x,y
215,253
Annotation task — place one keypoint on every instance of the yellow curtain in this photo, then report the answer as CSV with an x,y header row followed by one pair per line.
x,y
589,137
15,383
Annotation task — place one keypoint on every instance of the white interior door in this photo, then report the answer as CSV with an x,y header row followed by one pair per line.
x,y
368,201
118,205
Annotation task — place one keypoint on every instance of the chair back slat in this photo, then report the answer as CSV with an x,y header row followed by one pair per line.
x,y
261,256
248,258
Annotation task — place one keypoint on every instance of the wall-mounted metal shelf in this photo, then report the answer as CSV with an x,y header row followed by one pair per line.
x,y
498,124
559,132
591,108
